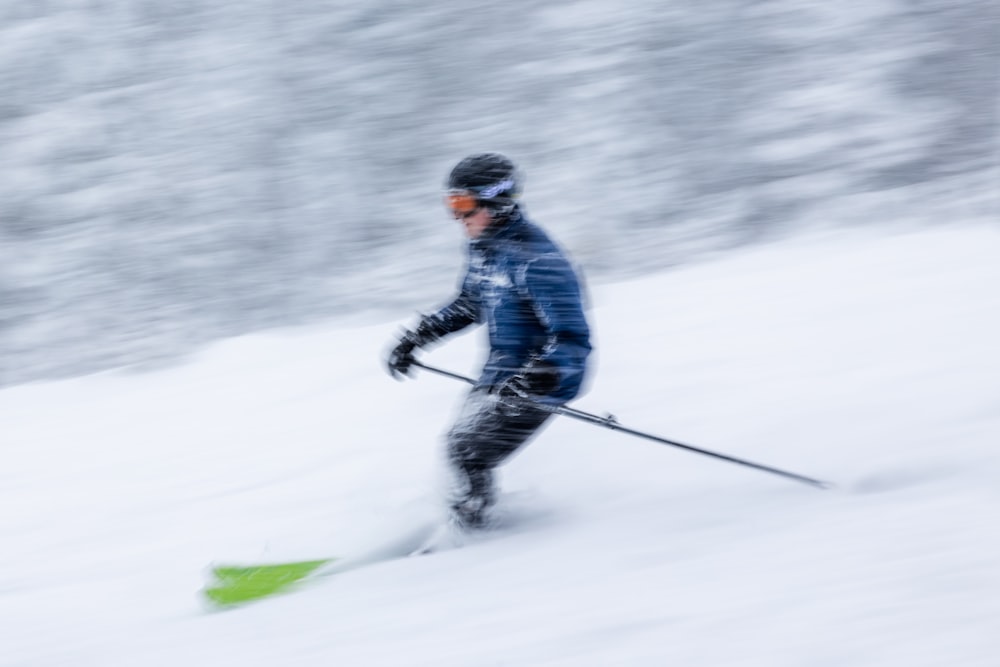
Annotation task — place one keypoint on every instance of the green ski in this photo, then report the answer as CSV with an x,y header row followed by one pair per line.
x,y
235,585
238,584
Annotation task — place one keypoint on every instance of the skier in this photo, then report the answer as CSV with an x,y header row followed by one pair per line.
x,y
521,285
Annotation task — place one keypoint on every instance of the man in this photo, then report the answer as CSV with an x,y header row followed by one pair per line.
x,y
522,287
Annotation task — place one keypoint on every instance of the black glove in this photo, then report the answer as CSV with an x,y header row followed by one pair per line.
x,y
401,357
537,378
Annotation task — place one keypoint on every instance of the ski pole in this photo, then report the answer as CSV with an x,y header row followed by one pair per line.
x,y
611,423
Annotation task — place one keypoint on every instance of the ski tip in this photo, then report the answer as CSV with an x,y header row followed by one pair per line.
x,y
295,569
236,585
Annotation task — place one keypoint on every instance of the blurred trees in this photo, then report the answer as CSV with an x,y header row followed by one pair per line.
x,y
175,172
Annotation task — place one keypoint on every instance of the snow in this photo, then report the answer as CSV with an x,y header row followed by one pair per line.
x,y
867,358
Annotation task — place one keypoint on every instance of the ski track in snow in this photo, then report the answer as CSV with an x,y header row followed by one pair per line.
x,y
866,358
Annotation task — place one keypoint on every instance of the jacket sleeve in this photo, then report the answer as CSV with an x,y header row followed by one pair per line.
x,y
460,313
557,301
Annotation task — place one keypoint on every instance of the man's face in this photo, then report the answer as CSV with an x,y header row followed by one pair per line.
x,y
476,222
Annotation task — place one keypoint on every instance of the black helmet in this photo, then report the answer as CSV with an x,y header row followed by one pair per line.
x,y
493,178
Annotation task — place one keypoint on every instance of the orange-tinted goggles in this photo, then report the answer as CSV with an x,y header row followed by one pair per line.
x,y
462,203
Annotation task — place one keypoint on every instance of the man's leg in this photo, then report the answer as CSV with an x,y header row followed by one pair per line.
x,y
486,434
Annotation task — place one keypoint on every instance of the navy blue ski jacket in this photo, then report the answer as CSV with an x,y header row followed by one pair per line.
x,y
521,285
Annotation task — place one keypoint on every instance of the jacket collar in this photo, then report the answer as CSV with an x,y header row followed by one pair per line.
x,y
499,230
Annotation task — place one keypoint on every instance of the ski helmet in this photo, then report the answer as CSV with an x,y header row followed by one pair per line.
x,y
492,177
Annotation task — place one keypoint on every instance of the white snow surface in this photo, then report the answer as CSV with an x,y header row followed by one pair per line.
x,y
869,359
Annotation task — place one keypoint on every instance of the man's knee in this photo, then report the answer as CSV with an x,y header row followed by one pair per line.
x,y
462,448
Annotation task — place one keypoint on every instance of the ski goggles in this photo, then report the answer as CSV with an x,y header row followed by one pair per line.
x,y
462,203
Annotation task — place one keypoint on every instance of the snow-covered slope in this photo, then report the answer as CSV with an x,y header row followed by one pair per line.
x,y
870,360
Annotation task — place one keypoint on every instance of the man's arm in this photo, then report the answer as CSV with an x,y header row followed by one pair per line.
x,y
460,313
457,315
558,304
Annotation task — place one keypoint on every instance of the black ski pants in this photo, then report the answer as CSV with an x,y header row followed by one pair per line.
x,y
485,434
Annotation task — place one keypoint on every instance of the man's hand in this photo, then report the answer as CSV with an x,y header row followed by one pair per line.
x,y
401,358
